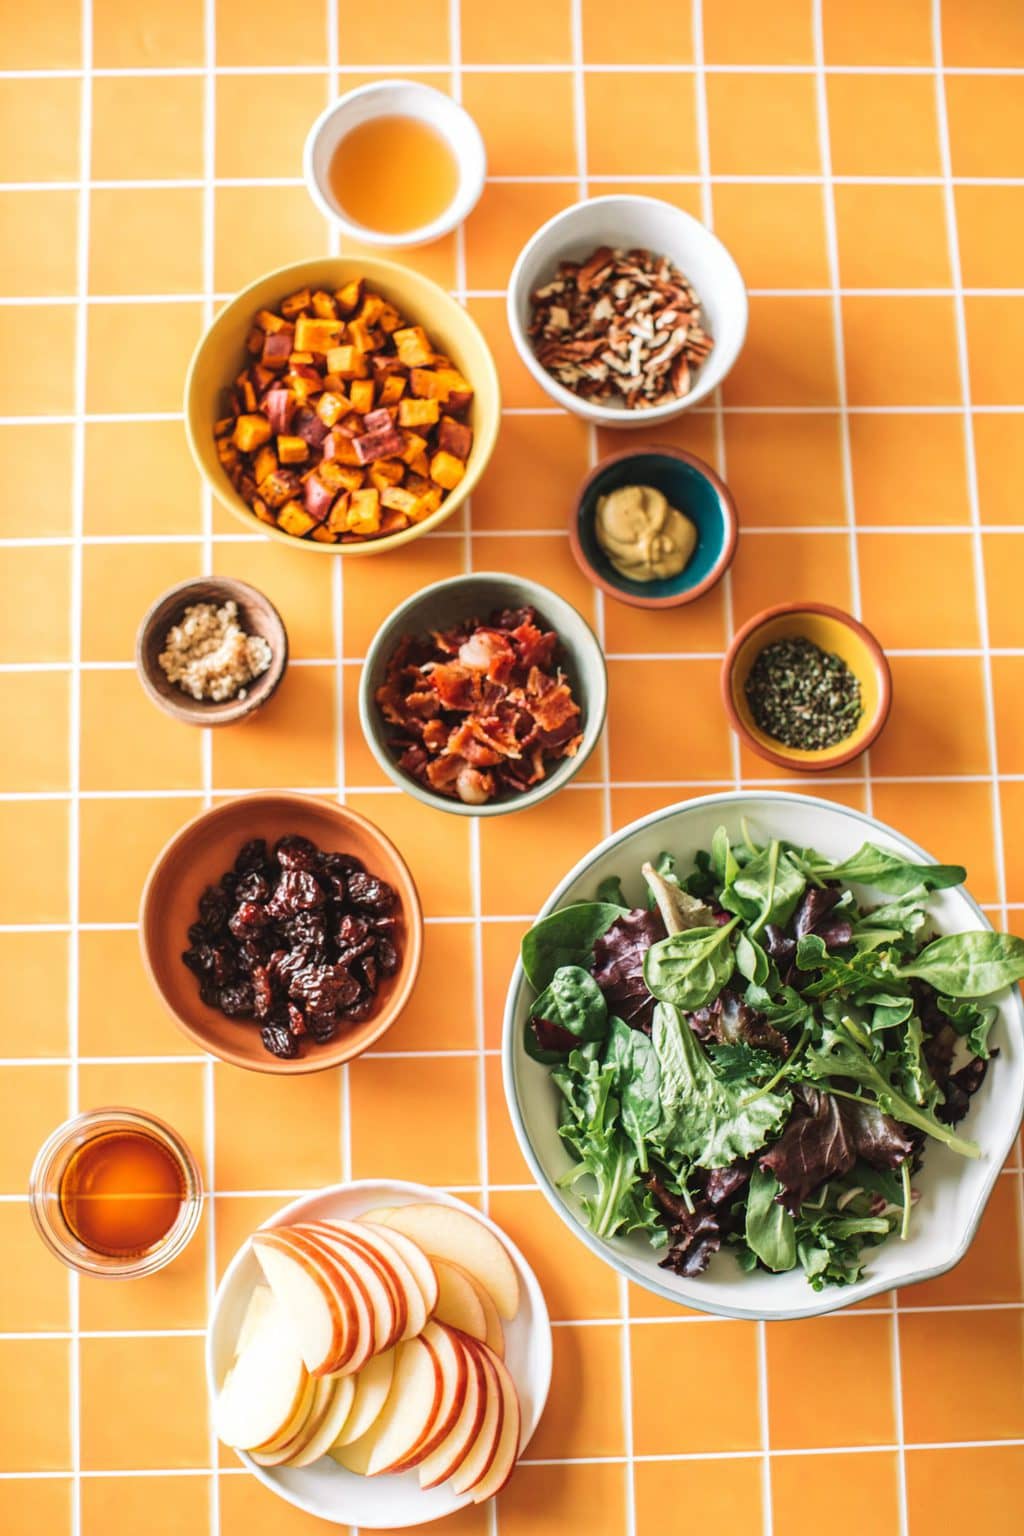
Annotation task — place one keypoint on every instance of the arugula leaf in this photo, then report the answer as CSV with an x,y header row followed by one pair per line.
x,y
573,1001
637,1075
971,1021
856,976
589,1125
703,1121
770,1230
609,890
886,871
766,889
914,1076
972,964
690,968
742,1064
906,915
566,937
829,1245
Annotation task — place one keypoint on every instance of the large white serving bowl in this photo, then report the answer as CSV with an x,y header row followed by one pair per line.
x,y
391,1501
625,222
954,1190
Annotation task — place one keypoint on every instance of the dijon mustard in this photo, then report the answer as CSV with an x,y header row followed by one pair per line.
x,y
644,537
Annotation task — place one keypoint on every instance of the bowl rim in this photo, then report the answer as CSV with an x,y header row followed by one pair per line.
x,y
830,757
196,712
596,707
609,416
540,1334
824,1302
325,1057
730,517
485,433
467,193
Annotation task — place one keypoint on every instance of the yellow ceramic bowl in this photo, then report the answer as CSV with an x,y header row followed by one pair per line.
x,y
221,355
832,630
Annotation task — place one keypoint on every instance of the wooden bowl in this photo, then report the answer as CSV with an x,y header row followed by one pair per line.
x,y
257,616
199,854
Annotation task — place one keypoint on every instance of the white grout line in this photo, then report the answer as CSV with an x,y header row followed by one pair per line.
x,y
563,67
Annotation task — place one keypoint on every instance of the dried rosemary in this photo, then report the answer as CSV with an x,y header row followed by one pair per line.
x,y
802,696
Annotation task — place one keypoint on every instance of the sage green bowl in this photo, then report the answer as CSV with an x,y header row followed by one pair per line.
x,y
478,595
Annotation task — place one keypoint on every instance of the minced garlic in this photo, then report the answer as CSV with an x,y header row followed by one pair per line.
x,y
209,656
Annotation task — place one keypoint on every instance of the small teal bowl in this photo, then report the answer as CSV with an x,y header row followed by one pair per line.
x,y
688,484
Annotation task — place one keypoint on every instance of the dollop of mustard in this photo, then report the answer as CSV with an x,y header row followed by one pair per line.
x,y
644,537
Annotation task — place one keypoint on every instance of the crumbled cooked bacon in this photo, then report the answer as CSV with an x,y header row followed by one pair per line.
x,y
480,710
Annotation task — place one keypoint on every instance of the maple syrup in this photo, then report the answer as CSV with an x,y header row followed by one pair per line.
x,y
121,1192
393,174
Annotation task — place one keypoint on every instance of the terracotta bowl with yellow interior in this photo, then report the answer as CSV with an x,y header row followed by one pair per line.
x,y
832,630
221,355
199,854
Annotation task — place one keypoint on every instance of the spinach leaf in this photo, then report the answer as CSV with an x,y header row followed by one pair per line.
x,y
969,964
970,1021
631,1054
751,960
887,871
573,1001
766,889
610,890
906,915
888,1010
770,1230
701,880
690,968
723,861
703,1121
565,937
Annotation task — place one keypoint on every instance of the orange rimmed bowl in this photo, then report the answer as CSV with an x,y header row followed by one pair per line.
x,y
198,855
831,630
221,354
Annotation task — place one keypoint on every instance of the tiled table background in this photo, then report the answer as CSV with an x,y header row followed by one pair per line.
x,y
865,162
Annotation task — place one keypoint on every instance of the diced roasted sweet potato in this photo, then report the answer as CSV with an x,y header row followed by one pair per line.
x,y
414,349
418,413
295,303
337,518
277,349
301,360
361,395
254,342
454,437
279,404
349,295
378,419
263,512
338,446
317,335
347,362
414,446
392,522
262,378
398,500
246,391
385,473
420,465
323,535
386,443
294,450
224,427
364,512
268,321
294,519
279,488
251,432
228,453
342,477
362,336
446,470
370,309
332,407
459,400
428,502
317,498
392,389
324,306
265,463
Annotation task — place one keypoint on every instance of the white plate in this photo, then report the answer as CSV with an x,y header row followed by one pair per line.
x,y
324,1489
953,1189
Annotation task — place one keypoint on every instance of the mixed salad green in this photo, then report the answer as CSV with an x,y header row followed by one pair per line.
x,y
757,1057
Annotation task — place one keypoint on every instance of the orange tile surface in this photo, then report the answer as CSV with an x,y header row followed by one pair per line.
x,y
863,476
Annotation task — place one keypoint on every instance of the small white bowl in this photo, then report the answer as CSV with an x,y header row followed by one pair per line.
x,y
324,1488
623,223
396,98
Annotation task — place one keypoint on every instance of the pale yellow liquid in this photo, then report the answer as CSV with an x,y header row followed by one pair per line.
x,y
393,174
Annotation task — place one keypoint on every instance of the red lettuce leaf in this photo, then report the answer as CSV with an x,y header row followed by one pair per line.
x,y
619,965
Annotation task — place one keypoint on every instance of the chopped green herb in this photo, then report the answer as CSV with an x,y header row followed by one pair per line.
x,y
802,696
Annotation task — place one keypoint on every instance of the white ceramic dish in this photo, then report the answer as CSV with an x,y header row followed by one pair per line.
x,y
954,1190
656,226
392,1501
396,98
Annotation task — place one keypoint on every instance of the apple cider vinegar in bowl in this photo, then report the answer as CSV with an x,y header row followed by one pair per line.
x,y
115,1193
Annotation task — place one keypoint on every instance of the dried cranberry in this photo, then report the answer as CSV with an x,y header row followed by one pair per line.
x,y
295,852
251,855
387,956
263,991
342,864
250,918
368,969
360,1009
296,1019
252,887
253,951
351,930
324,988
322,1028
279,1040
239,1001
214,908
296,891
367,891
308,929
223,965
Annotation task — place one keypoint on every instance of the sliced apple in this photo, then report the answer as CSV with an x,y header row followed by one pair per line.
x,y
494,1337
260,1300
319,1441
446,1232
458,1301
264,1388
281,1452
302,1411
387,1314
507,1452
379,1213
418,1262
411,1408
451,1357
321,1310
372,1385
448,1456
477,1461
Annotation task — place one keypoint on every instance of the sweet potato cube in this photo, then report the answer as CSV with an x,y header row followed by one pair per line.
x,y
227,452
332,407
263,512
279,487
317,335
324,306
427,503
323,535
361,393
341,477
251,432
277,347
294,450
385,443
265,463
246,391
451,382
294,519
446,470
295,303
398,500
364,512
420,465
268,321
254,342
370,309
392,389
414,446
349,295
389,319
418,413
347,362
301,360
361,336
393,522
224,427
337,518
455,437
385,473
414,349
340,448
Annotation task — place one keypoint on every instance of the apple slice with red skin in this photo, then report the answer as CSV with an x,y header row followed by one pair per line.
x,y
446,1232
324,1321
421,1266
264,1391
386,1313
458,1301
451,1358
372,1385
332,1423
323,1396
347,1279
478,1459
507,1452
446,1458
411,1407
382,1243
494,1337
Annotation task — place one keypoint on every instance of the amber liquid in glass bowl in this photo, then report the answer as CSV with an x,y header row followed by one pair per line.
x,y
394,174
